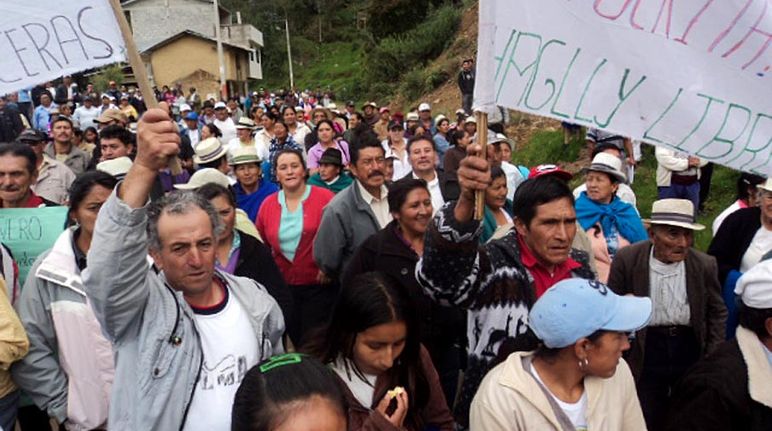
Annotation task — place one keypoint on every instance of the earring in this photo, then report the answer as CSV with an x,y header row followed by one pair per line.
x,y
584,363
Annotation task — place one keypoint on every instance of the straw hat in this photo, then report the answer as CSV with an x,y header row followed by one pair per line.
x,y
674,212
117,167
203,177
766,185
245,123
608,164
242,156
209,150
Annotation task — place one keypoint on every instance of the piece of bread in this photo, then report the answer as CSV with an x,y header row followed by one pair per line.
x,y
396,391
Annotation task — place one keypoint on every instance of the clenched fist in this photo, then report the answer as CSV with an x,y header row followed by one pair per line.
x,y
158,139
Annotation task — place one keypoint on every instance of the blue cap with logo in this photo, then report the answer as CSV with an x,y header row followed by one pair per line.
x,y
575,308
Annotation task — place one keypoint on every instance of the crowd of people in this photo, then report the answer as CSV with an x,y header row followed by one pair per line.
x,y
320,268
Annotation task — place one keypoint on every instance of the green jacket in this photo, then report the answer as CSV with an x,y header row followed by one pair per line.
x,y
343,181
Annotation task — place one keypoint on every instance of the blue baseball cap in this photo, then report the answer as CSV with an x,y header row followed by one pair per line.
x,y
191,116
575,308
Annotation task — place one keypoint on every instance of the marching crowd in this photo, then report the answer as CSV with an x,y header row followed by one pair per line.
x,y
317,268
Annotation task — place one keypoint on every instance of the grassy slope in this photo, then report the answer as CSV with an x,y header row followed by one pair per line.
x,y
547,147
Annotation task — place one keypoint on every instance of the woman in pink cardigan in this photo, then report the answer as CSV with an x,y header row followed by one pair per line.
x,y
288,221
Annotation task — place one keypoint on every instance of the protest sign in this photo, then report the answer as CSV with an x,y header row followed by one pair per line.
x,y
693,76
43,40
29,232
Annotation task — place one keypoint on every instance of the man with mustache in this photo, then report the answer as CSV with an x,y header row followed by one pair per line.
x,y
688,314
18,172
500,281
358,211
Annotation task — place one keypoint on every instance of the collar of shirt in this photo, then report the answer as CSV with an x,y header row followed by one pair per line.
x,y
370,199
333,181
80,257
432,183
542,278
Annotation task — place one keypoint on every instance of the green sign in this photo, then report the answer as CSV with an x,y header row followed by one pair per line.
x,y
28,232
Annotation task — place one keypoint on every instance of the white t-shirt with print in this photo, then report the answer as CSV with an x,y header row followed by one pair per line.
x,y
230,348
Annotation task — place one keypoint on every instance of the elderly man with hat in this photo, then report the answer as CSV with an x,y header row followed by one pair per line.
x,y
732,388
54,178
370,114
330,174
249,189
224,122
688,316
210,153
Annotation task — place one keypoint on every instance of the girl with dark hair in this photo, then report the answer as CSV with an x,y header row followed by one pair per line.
x,y
372,344
288,221
289,392
69,369
264,136
325,131
296,129
747,197
395,250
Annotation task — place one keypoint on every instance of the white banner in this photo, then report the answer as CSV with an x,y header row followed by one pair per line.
x,y
695,76
41,40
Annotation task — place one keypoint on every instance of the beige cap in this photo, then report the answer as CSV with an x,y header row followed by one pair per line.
x,y
203,177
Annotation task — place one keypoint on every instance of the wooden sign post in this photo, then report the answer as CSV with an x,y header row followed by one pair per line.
x,y
482,141
138,67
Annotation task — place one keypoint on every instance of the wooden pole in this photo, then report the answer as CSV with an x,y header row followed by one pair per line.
x,y
482,141
138,66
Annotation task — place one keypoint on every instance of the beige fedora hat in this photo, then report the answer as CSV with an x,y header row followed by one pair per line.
x,y
674,212
202,177
209,150
608,164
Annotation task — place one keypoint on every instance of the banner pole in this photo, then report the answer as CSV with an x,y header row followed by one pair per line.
x,y
482,140
138,67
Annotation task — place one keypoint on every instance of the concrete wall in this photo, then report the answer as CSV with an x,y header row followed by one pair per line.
x,y
188,55
152,21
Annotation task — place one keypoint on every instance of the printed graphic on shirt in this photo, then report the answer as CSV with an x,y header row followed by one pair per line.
x,y
228,371
485,337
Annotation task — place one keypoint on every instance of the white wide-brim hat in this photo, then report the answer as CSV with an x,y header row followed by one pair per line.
x,y
674,212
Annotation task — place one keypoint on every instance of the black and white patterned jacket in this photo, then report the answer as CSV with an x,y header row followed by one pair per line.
x,y
491,282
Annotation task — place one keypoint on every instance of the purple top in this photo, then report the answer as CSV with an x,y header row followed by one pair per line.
x,y
315,153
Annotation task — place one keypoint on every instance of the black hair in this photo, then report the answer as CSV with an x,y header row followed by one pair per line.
x,y
754,319
215,164
285,107
283,124
214,130
290,151
399,190
549,354
270,115
366,139
538,191
84,183
497,172
359,115
272,389
59,118
457,135
120,133
369,300
418,138
327,122
18,149
212,190
744,181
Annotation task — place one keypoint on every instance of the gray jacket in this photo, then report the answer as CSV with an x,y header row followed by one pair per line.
x,y
77,160
347,222
157,347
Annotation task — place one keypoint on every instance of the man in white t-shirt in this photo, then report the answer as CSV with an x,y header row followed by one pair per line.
x,y
224,122
184,333
87,114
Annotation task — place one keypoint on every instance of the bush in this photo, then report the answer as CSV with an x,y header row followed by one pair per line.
x,y
110,73
389,59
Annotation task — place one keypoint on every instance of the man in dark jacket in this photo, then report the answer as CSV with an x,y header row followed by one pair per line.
x,y
499,282
466,85
10,122
422,154
732,388
688,314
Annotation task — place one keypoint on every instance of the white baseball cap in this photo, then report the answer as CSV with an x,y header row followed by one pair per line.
x,y
202,177
755,286
185,107
220,105
424,107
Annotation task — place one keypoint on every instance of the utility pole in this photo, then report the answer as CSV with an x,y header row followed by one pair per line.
x,y
220,58
289,52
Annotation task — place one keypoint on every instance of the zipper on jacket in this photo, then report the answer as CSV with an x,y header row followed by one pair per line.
x,y
195,382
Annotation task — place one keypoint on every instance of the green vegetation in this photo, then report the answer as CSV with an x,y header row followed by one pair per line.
x,y
547,147
110,73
